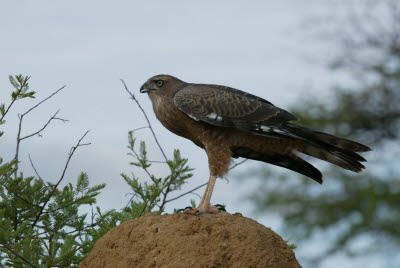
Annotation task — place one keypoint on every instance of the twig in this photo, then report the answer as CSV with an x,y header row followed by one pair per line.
x,y
26,201
30,160
19,256
164,201
130,199
144,208
139,128
71,153
147,119
48,122
54,93
188,192
21,117
8,108
200,186
237,164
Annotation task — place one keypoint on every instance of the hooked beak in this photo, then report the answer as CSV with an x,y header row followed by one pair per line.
x,y
144,89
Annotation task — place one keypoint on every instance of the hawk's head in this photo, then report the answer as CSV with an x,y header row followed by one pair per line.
x,y
161,85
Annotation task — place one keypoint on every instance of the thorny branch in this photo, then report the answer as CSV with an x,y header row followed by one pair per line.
x,y
71,153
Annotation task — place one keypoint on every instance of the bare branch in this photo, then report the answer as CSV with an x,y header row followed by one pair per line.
x,y
147,119
54,93
71,153
237,164
33,166
48,122
139,128
21,117
186,193
130,199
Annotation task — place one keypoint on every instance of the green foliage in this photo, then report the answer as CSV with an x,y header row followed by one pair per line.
x,y
361,205
51,231
42,225
153,195
21,86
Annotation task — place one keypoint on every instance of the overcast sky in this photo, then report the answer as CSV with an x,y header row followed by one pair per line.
x,y
263,47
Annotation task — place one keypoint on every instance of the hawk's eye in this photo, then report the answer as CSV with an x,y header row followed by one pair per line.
x,y
159,83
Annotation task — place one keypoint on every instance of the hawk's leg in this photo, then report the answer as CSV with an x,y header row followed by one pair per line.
x,y
219,158
205,200
204,206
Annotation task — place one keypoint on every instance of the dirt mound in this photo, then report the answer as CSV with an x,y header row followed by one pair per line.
x,y
179,240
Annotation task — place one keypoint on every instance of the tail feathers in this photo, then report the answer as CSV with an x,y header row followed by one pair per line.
x,y
290,161
344,159
335,150
316,136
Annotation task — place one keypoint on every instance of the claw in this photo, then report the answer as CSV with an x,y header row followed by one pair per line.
x,y
183,209
220,207
195,211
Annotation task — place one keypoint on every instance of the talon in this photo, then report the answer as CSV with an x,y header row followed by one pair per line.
x,y
220,207
198,211
183,209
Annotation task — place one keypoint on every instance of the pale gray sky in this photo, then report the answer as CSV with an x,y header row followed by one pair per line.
x,y
256,46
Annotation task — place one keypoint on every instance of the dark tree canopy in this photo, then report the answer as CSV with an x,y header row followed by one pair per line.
x,y
364,205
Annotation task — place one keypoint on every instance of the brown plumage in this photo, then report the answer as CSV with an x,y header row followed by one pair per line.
x,y
227,123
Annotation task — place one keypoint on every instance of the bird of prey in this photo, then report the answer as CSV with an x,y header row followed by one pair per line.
x,y
228,122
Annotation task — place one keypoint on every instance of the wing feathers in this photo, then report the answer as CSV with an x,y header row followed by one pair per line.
x,y
227,107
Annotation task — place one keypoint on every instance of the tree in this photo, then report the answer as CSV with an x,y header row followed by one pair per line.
x,y
352,206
